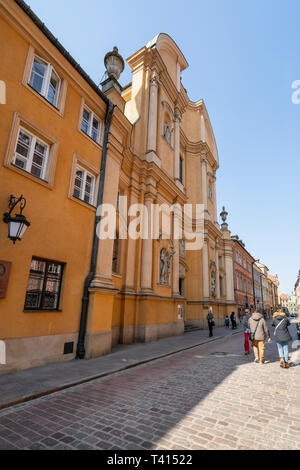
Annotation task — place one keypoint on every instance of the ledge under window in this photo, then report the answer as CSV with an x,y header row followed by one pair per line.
x,y
42,311
90,138
80,201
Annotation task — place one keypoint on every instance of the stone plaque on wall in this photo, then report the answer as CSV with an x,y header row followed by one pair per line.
x,y
4,276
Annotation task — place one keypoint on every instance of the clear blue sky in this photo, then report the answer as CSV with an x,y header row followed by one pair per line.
x,y
243,56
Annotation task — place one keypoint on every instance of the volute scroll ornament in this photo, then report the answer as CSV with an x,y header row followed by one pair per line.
x,y
154,79
177,115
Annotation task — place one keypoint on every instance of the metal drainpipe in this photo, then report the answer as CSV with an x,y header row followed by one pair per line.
x,y
80,351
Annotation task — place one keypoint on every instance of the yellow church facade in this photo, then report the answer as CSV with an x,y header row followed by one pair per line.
x,y
69,149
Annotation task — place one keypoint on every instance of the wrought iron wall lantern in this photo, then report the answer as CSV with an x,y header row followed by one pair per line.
x,y
17,224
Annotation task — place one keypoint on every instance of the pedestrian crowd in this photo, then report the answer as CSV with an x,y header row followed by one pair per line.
x,y
256,332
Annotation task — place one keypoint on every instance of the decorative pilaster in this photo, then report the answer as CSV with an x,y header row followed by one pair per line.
x,y
202,128
103,275
229,274
205,273
177,143
131,250
204,183
217,272
152,120
215,199
176,249
147,247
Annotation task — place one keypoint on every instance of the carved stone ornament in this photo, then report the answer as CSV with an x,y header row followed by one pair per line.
x,y
154,79
177,115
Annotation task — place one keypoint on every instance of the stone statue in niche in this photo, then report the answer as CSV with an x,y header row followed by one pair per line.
x,y
167,132
213,285
164,267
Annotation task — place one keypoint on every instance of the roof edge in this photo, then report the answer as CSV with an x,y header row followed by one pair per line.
x,y
43,28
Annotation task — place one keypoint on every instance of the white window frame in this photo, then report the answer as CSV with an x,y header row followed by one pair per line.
x,y
90,124
82,189
29,159
46,81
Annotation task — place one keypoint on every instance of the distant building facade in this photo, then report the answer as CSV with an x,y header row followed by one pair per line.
x,y
243,276
289,303
269,285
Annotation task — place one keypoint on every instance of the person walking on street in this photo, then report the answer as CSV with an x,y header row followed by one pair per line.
x,y
227,321
210,321
298,329
282,336
245,320
259,332
233,320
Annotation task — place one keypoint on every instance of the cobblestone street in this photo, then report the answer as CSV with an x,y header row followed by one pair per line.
x,y
209,397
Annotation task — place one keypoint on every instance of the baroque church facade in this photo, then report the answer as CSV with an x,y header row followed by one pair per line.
x,y
155,148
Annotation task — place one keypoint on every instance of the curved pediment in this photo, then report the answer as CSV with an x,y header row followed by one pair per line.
x,y
165,44
171,55
203,131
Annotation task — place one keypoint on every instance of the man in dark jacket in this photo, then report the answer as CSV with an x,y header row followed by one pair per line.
x,y
210,321
259,328
233,320
282,336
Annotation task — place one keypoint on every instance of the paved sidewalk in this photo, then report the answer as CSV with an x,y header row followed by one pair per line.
x,y
21,386
207,397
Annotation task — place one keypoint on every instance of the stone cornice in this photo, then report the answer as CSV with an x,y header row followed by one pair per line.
x,y
164,183
212,230
198,148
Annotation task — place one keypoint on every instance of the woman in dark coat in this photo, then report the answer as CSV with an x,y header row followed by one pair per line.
x,y
282,336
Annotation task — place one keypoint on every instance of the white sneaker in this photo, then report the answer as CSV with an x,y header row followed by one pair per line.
x,y
256,360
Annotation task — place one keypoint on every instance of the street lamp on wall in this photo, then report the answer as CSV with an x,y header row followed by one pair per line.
x,y
17,224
